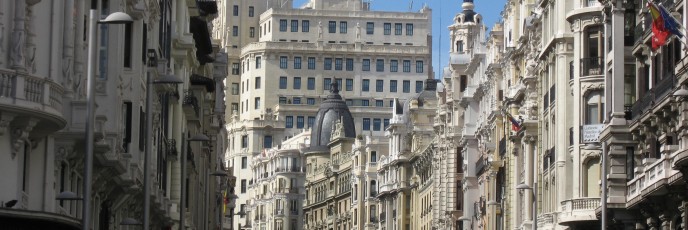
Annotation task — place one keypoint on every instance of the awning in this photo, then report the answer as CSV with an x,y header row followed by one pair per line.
x,y
206,7
201,36
204,81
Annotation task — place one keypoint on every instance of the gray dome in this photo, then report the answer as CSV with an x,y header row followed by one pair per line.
x,y
331,111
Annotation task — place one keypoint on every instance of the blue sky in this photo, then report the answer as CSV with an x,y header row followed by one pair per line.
x,y
443,14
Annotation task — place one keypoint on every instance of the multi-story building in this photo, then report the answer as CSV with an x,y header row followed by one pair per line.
x,y
43,47
455,178
330,194
405,173
277,192
644,105
374,56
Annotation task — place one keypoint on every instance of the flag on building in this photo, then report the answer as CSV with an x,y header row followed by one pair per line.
x,y
515,124
663,25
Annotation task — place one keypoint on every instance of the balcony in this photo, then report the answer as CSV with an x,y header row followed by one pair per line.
x,y
480,166
24,94
656,94
591,66
656,173
546,220
191,107
592,3
579,209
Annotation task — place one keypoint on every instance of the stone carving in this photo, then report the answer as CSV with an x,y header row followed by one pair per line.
x,y
358,30
17,52
20,137
5,121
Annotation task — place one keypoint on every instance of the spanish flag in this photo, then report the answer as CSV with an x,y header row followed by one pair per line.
x,y
663,25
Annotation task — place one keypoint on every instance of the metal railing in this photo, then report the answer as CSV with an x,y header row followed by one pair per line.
x,y
190,99
664,86
591,66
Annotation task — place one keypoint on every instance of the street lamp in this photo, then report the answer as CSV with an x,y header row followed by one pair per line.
x,y
182,197
114,18
534,212
67,195
164,79
130,221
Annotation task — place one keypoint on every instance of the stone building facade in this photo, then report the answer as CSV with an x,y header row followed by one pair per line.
x,y
43,58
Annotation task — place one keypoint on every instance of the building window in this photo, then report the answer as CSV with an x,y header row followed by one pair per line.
x,y
283,62
310,101
297,101
311,83
283,83
419,86
349,102
297,62
379,85
252,32
305,26
244,141
326,83
349,84
409,29
338,63
379,103
594,108
373,157
366,65
250,11
257,102
388,28
349,64
299,122
283,25
340,84
406,86
365,87
282,100
244,162
393,86
393,66
267,142
311,62
377,123
366,124
332,27
243,187
343,27
235,68
370,28
127,45
365,103
235,10
419,66
294,25
259,62
289,122
397,28
235,31
459,46
380,65
385,123
407,66
235,88
297,82
257,83
328,63
311,121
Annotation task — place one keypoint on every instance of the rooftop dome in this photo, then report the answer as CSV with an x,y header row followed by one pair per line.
x,y
330,112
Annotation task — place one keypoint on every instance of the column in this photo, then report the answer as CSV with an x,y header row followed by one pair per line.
x,y
529,177
17,45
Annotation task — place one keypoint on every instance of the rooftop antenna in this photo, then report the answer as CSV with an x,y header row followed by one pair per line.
x,y
440,46
283,2
411,6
